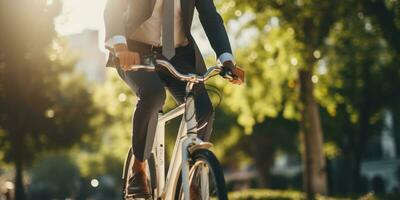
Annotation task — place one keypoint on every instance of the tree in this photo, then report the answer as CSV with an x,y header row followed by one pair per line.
x,y
385,16
43,106
361,80
308,23
54,177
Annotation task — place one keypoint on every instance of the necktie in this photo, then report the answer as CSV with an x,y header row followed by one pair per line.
x,y
168,46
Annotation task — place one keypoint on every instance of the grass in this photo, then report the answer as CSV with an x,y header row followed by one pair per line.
x,y
264,194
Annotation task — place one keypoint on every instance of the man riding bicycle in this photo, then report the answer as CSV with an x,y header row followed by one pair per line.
x,y
138,28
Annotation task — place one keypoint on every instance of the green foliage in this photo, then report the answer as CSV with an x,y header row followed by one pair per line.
x,y
354,68
272,195
54,177
112,135
263,194
358,61
271,65
288,35
44,106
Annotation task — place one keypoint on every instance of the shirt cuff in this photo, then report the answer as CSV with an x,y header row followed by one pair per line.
x,y
117,39
225,57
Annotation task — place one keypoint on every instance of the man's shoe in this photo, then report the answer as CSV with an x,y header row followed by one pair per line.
x,y
137,186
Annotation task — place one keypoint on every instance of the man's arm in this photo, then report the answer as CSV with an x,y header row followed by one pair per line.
x,y
214,27
114,22
115,33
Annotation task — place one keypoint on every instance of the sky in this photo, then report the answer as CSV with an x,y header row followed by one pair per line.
x,y
78,15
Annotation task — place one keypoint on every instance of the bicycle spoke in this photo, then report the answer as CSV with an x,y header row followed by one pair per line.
x,y
204,171
203,179
206,180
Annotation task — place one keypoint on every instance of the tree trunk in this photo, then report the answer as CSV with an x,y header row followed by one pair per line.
x,y
18,151
351,163
364,133
396,131
314,176
19,185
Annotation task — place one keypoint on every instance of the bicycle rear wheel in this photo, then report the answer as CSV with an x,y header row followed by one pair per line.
x,y
127,173
206,178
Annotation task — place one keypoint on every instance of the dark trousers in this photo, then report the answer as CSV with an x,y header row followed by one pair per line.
x,y
150,92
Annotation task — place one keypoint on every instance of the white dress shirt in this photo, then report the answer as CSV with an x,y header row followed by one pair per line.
x,y
150,31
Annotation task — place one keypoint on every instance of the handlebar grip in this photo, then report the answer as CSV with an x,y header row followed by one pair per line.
x,y
146,60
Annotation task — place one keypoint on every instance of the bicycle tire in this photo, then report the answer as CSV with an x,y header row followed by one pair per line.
x,y
127,170
209,158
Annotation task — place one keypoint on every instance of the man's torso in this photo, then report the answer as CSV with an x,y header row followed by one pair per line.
x,y
150,31
139,12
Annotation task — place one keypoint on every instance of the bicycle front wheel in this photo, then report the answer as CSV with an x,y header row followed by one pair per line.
x,y
206,178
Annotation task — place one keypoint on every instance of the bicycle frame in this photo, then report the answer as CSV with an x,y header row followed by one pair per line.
x,y
186,141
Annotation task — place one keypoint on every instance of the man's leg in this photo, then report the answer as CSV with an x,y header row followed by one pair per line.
x,y
184,61
150,94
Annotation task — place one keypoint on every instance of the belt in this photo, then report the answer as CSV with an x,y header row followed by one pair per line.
x,y
148,48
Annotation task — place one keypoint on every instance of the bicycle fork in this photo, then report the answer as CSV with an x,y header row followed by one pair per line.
x,y
190,118
186,143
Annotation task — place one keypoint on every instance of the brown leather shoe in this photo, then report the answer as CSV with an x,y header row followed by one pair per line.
x,y
137,186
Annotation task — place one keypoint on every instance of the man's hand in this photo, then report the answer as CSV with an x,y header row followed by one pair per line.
x,y
237,72
126,57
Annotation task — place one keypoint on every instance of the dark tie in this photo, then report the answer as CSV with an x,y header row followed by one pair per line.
x,y
168,44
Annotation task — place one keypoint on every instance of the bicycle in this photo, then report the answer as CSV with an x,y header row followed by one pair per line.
x,y
194,169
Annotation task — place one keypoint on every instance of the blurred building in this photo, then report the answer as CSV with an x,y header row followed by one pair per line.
x,y
90,60
381,168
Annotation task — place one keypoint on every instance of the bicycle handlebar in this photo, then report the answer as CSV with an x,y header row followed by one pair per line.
x,y
212,71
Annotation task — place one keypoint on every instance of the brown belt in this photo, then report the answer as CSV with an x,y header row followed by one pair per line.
x,y
141,47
